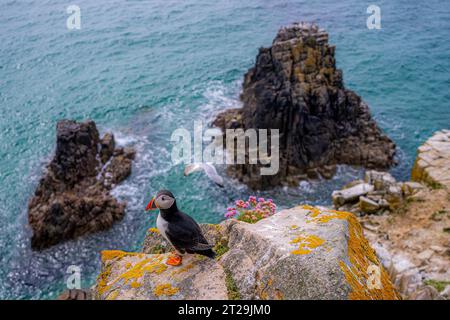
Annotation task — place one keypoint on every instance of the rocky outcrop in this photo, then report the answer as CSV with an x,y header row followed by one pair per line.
x,y
432,165
138,276
379,193
296,88
75,294
300,253
73,197
406,276
407,223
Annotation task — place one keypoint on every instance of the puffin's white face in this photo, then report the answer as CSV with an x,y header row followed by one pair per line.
x,y
164,201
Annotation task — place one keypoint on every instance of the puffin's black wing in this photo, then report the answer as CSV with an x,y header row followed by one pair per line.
x,y
185,233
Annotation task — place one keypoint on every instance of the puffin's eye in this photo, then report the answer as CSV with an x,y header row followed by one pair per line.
x,y
163,199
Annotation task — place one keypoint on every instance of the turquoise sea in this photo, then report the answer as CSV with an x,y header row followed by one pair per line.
x,y
142,68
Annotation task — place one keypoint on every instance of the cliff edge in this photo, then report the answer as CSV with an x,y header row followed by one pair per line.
x,y
299,253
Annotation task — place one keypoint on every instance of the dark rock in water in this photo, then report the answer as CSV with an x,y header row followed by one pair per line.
x,y
75,294
73,199
296,88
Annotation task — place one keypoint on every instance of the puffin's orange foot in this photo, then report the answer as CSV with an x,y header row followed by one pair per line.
x,y
174,260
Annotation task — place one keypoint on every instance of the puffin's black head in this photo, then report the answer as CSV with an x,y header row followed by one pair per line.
x,y
164,200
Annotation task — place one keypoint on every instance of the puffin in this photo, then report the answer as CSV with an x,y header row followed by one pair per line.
x,y
178,228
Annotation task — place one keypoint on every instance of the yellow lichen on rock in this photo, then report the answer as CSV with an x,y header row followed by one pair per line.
x,y
133,273
113,295
314,211
182,269
154,230
361,258
102,280
165,289
113,254
306,243
137,271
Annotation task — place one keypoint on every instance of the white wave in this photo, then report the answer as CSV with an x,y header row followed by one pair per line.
x,y
220,97
124,140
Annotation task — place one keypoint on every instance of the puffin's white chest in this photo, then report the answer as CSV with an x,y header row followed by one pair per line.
x,y
162,224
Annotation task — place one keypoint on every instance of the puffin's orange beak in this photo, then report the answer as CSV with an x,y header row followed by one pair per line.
x,y
151,205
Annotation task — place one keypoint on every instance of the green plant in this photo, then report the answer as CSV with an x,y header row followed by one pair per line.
x,y
438,285
232,289
220,248
435,185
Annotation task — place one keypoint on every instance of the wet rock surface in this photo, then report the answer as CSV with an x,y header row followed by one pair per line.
x,y
296,88
72,198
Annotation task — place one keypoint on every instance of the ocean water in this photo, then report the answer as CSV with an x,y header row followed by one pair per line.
x,y
143,68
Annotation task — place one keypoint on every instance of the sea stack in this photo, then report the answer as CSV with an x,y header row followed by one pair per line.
x,y
73,199
296,88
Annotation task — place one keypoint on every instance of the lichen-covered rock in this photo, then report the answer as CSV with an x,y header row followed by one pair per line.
x,y
432,164
305,253
155,243
300,253
139,276
73,199
295,87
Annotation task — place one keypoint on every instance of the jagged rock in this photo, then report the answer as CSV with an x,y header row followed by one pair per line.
x,y
380,192
107,145
432,165
368,206
410,188
119,166
75,294
72,199
426,293
446,292
353,183
394,197
296,88
351,194
139,276
380,180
